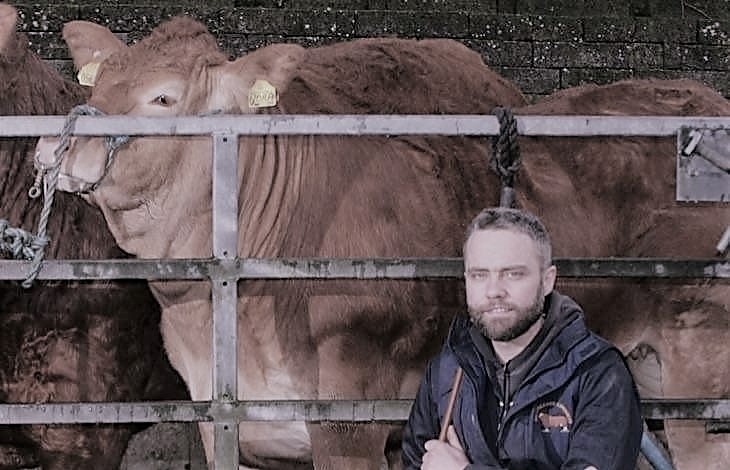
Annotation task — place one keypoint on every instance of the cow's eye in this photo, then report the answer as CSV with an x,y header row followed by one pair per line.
x,y
163,100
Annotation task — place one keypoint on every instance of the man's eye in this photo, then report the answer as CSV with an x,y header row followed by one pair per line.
x,y
477,275
514,274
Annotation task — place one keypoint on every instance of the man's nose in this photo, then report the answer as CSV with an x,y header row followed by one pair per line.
x,y
494,287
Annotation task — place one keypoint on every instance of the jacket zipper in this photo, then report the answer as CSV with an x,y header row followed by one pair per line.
x,y
503,405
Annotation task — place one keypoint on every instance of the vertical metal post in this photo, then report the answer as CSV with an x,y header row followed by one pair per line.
x,y
224,292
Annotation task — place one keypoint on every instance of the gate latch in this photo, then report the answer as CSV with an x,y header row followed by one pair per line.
x,y
703,164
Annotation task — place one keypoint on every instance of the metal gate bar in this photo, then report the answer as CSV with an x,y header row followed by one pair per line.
x,y
291,410
373,124
224,290
350,268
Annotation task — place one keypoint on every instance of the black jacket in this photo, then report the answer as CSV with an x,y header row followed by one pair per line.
x,y
576,406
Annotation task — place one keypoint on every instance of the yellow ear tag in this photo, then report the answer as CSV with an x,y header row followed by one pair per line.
x,y
87,74
262,95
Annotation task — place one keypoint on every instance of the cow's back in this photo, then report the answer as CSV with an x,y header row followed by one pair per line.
x,y
382,196
391,195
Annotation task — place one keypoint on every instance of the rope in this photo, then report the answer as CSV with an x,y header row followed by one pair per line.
x,y
18,243
24,245
21,244
506,158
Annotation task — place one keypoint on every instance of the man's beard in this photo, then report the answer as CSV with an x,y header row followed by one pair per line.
x,y
507,329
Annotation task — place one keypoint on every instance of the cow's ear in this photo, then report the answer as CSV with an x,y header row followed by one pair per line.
x,y
89,42
8,18
257,79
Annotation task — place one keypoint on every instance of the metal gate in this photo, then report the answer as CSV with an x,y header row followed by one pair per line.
x,y
224,269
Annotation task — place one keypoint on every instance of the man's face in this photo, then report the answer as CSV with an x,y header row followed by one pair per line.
x,y
505,283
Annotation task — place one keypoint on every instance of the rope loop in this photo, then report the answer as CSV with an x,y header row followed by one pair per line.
x,y
33,249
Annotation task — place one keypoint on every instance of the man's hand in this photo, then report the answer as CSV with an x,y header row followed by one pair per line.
x,y
447,455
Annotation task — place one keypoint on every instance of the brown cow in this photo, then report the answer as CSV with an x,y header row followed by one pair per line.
x,y
64,341
300,196
616,197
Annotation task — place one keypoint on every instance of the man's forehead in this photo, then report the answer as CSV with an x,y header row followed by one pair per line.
x,y
501,247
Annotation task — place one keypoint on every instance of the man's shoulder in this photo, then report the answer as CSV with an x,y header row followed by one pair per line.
x,y
595,346
600,357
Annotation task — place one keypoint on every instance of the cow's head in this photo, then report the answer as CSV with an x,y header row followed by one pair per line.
x,y
177,70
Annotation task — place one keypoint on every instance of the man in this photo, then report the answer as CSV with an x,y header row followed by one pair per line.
x,y
539,391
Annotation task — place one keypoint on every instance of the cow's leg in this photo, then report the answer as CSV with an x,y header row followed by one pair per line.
x,y
393,449
186,329
354,362
696,363
364,351
346,445
186,332
206,435
693,449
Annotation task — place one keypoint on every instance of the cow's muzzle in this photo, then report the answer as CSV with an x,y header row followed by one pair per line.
x,y
69,182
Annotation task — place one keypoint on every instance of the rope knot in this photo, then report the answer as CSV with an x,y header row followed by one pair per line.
x,y
18,243
506,159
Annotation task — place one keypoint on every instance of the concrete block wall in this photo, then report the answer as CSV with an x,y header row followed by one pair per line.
x,y
541,45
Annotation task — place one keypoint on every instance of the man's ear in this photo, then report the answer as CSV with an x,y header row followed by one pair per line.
x,y
549,276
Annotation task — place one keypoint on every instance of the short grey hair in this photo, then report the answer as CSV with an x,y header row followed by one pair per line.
x,y
503,218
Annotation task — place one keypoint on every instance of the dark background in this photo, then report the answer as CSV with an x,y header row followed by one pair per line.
x,y
541,45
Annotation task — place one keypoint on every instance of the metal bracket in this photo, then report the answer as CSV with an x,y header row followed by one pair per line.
x,y
703,164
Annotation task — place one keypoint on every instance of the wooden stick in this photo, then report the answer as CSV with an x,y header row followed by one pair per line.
x,y
452,401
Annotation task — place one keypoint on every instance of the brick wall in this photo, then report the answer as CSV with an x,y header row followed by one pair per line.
x,y
541,45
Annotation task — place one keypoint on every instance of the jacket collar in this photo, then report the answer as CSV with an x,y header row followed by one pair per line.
x,y
567,327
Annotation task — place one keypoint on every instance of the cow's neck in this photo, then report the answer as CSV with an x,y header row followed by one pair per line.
x,y
164,226
177,223
144,236
270,171
167,215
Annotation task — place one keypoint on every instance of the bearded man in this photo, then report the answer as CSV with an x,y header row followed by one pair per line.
x,y
540,391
